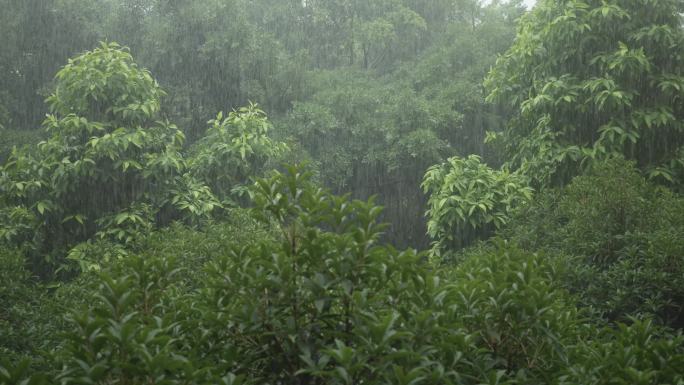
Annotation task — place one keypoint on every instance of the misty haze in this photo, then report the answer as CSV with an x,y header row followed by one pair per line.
x,y
310,192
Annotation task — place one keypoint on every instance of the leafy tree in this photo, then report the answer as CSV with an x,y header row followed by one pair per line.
x,y
211,55
372,135
107,151
235,148
586,79
358,33
465,197
314,288
369,138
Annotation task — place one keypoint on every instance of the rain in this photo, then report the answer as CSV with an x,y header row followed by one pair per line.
x,y
341,192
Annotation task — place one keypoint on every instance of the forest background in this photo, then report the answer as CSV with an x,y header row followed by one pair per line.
x,y
190,191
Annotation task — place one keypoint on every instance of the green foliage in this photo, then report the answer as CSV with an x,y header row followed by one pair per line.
x,y
14,290
93,255
326,303
376,135
334,307
628,355
414,67
132,333
608,202
587,79
622,236
119,233
368,137
465,196
299,288
40,36
354,123
321,301
107,155
32,318
513,303
17,225
234,148
19,374
9,139
27,314
104,86
644,281
315,291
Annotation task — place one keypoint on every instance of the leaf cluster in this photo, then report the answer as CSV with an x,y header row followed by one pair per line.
x,y
464,196
587,79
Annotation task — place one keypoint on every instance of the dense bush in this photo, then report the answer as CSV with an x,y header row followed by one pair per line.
x,y
513,305
31,313
623,238
16,297
637,354
321,301
326,303
33,318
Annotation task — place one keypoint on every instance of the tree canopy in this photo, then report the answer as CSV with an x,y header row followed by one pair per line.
x,y
311,192
589,78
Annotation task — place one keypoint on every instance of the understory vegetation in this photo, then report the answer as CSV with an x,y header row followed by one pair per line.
x,y
341,192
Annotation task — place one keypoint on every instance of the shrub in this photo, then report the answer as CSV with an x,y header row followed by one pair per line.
x,y
622,238
326,303
514,305
638,354
136,331
612,199
27,312
321,301
14,291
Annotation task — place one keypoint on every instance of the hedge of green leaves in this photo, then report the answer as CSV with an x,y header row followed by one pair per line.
x,y
321,301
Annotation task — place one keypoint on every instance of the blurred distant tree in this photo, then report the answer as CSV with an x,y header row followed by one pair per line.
x,y
212,54
367,138
199,52
38,35
336,33
589,78
378,136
